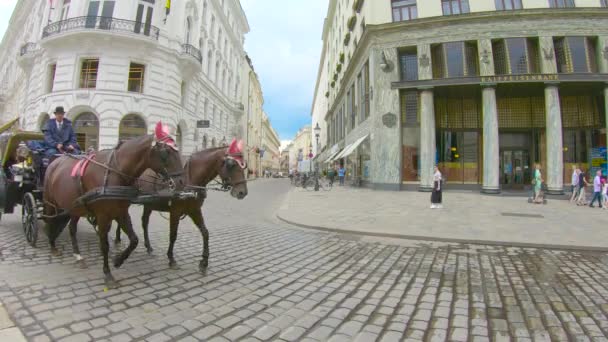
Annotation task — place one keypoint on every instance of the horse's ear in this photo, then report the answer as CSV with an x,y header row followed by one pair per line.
x,y
158,131
233,147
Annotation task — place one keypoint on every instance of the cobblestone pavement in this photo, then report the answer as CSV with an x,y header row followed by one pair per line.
x,y
268,281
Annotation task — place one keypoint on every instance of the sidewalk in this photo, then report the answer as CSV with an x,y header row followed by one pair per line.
x,y
8,330
466,217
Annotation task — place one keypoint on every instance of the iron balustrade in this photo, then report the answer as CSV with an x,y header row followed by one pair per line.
x,y
28,48
101,23
192,51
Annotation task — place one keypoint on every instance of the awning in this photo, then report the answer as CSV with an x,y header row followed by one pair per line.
x,y
352,147
341,154
331,157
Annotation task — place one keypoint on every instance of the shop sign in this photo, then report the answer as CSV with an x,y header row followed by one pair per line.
x,y
519,78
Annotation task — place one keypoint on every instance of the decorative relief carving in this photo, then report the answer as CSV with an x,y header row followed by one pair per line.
x,y
389,120
424,60
485,57
548,53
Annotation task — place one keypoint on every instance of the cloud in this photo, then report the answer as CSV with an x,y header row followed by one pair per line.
x,y
6,10
284,45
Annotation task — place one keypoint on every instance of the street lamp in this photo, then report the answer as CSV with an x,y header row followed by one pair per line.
x,y
317,130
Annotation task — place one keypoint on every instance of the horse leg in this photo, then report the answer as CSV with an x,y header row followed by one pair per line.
x,y
75,248
103,225
54,231
174,222
145,220
125,224
197,218
117,240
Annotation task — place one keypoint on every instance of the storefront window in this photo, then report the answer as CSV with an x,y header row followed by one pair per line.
x,y
410,136
409,65
459,156
575,54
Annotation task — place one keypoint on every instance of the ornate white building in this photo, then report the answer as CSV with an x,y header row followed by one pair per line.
x,y
120,66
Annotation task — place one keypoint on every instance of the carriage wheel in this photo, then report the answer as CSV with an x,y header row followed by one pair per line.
x,y
29,218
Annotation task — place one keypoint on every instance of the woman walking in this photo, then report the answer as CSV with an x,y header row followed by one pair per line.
x,y
436,197
574,184
582,183
538,182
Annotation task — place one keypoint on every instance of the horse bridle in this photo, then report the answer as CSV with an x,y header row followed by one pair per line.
x,y
235,157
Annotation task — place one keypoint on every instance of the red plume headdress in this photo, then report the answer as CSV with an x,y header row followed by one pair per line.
x,y
235,151
161,134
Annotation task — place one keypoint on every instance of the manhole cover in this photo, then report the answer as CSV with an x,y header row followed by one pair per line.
x,y
522,215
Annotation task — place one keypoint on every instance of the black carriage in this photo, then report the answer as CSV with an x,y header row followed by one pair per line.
x,y
23,166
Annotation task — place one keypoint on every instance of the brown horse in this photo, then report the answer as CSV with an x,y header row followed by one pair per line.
x,y
201,168
114,168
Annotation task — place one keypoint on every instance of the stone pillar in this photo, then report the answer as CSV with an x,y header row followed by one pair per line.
x,y
491,177
554,173
385,128
427,138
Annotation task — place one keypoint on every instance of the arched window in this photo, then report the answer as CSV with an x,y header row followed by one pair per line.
x,y
209,63
86,127
188,29
42,120
131,126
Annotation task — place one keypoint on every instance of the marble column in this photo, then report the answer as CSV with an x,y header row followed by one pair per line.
x,y
491,177
553,171
427,138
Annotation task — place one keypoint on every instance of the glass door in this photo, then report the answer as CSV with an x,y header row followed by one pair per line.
x,y
515,168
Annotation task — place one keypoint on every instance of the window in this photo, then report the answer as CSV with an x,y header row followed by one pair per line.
x,y
105,11
575,54
409,109
455,59
65,9
188,30
561,3
52,70
455,6
88,73
409,65
353,106
516,56
145,7
136,78
404,10
506,5
183,93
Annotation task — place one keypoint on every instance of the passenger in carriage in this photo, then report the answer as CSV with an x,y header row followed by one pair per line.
x,y
59,135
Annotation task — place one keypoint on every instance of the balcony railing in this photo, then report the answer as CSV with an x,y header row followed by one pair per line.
x,y
192,51
101,23
28,48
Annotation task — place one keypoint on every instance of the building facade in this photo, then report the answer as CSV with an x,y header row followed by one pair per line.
x,y
301,147
120,66
253,100
483,89
271,155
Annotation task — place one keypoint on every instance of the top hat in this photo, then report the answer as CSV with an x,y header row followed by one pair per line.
x,y
59,110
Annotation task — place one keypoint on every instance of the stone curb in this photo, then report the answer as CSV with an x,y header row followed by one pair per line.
x,y
8,330
438,239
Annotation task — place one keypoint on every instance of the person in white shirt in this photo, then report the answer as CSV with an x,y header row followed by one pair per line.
x,y
436,196
574,182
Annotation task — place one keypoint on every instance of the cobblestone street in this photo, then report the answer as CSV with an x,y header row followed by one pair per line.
x,y
270,281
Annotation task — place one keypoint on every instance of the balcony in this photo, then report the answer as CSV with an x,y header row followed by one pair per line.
x,y
190,59
26,55
190,51
101,24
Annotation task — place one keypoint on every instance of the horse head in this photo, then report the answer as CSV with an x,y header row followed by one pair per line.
x,y
232,170
165,159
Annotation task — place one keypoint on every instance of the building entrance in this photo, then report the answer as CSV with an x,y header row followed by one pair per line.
x,y
515,168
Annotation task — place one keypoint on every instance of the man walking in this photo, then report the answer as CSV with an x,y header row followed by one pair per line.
x,y
341,173
597,189
574,183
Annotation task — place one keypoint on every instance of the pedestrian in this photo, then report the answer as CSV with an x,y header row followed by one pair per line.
x,y
574,183
331,174
605,192
538,182
341,173
597,189
582,183
436,196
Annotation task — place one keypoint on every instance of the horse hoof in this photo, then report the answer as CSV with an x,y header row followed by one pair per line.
x,y
173,265
150,250
117,242
202,266
118,262
56,252
82,264
111,283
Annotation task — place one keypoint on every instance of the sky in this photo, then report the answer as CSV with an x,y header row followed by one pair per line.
x,y
284,45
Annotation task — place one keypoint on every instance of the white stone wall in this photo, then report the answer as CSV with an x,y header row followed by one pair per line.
x,y
212,90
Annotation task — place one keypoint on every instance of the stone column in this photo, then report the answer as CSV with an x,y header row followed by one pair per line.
x,y
385,128
427,138
554,173
491,177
